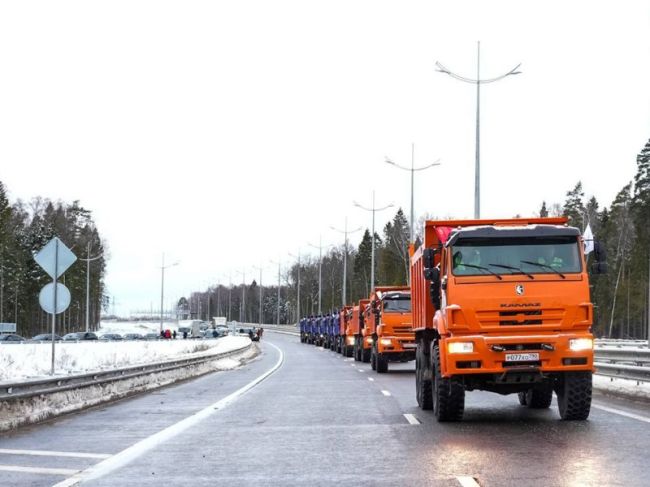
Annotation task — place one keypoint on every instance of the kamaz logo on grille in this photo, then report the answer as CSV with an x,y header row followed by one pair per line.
x,y
520,305
519,289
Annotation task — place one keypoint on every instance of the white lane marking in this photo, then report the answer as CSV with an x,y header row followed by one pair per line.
x,y
411,418
44,471
371,379
638,417
353,365
47,453
361,370
385,393
141,447
467,481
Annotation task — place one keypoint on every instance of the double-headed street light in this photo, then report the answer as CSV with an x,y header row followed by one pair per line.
x,y
412,169
478,82
345,232
162,287
373,209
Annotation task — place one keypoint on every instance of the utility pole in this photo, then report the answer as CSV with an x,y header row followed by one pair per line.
x,y
478,82
373,209
230,296
412,169
345,232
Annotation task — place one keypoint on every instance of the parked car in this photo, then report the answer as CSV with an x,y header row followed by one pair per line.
x,y
87,335
11,338
45,337
133,336
152,336
112,337
70,337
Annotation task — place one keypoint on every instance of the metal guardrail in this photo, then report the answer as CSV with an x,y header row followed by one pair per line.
x,y
624,363
26,389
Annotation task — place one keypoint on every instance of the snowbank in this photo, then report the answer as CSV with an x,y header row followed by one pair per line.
x,y
30,360
38,408
629,389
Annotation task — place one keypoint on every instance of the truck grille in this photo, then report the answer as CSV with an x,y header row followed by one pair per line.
x,y
520,317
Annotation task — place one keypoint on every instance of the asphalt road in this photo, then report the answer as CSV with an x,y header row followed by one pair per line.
x,y
320,420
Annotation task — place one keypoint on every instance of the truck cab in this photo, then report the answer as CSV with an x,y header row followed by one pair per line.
x,y
389,327
346,339
502,306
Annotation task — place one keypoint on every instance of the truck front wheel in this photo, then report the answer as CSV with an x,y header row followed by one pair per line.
x,y
448,393
423,385
382,363
538,398
365,354
373,358
573,391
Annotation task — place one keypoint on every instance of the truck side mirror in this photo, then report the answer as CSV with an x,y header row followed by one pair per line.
x,y
600,252
428,258
433,275
599,267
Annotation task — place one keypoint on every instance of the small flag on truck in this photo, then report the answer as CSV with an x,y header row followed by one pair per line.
x,y
588,237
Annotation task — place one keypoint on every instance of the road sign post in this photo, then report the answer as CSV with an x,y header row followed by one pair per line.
x,y
55,258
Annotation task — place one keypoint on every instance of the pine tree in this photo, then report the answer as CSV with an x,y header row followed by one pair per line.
x,y
574,208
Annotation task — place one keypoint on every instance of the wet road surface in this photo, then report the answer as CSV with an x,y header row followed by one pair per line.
x,y
320,420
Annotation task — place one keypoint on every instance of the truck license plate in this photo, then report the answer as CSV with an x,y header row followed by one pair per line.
x,y
522,357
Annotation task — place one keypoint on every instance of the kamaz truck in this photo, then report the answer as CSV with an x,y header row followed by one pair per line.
x,y
362,348
389,327
345,344
503,306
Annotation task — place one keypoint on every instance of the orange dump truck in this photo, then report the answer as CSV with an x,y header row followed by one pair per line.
x,y
362,348
344,346
389,327
503,306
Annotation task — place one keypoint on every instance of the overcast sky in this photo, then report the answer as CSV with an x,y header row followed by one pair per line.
x,y
226,134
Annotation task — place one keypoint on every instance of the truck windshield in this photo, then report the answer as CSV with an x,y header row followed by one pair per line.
x,y
397,305
516,255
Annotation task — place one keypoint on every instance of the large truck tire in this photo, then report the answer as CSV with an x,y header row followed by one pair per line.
x,y
382,363
349,351
522,398
574,395
423,386
365,355
339,346
373,358
539,398
448,393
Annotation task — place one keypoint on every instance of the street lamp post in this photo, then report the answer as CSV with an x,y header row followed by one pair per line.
x,y
373,209
260,269
478,82
162,288
279,262
345,232
88,260
298,294
320,270
412,169
242,312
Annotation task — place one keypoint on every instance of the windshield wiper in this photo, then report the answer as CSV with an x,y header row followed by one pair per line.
x,y
545,266
519,269
483,269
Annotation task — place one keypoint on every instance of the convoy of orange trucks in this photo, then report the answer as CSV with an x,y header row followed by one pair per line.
x,y
494,305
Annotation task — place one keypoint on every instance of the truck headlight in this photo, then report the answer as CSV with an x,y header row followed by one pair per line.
x,y
386,342
368,339
581,344
460,347
350,340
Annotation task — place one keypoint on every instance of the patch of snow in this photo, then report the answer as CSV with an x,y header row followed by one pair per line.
x,y
30,360
35,409
622,387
